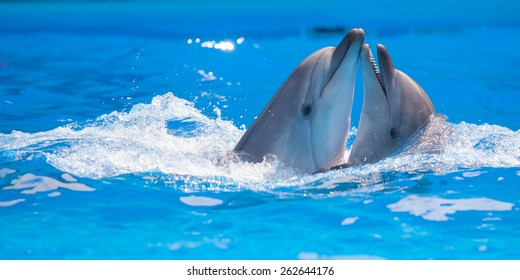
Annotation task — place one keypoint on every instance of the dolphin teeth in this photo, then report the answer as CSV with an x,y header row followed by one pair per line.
x,y
376,69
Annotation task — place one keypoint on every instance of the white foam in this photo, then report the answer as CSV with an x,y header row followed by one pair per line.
x,y
436,209
442,148
139,141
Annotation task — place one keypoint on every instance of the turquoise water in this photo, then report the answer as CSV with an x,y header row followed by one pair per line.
x,y
109,142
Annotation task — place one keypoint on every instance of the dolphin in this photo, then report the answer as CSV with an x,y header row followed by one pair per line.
x,y
306,122
394,108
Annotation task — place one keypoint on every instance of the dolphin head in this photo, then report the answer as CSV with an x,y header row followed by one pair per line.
x,y
394,108
306,122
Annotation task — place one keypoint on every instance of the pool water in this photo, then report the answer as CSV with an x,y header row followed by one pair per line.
x,y
110,146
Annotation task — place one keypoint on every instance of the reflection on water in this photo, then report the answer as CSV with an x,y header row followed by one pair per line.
x,y
436,209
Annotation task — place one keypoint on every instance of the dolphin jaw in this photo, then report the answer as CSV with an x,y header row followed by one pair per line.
x,y
376,70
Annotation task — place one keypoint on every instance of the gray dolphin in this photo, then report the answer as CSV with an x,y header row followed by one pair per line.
x,y
306,122
394,108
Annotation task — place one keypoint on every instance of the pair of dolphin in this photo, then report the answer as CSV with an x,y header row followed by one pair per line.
x,y
305,124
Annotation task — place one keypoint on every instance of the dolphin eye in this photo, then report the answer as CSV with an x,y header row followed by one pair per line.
x,y
306,111
393,134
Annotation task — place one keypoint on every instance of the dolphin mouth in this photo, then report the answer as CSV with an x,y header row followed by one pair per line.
x,y
376,70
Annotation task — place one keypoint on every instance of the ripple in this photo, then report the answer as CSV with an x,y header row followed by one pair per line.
x,y
193,200
31,184
436,209
6,171
11,202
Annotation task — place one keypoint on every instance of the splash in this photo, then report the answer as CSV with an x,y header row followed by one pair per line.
x,y
167,136
443,147
172,138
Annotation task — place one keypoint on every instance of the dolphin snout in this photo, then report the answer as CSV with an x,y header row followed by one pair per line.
x,y
352,41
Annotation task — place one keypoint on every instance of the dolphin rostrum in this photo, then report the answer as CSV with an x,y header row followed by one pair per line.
x,y
394,108
306,122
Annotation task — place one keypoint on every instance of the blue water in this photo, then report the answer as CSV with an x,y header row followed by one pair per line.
x,y
109,143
